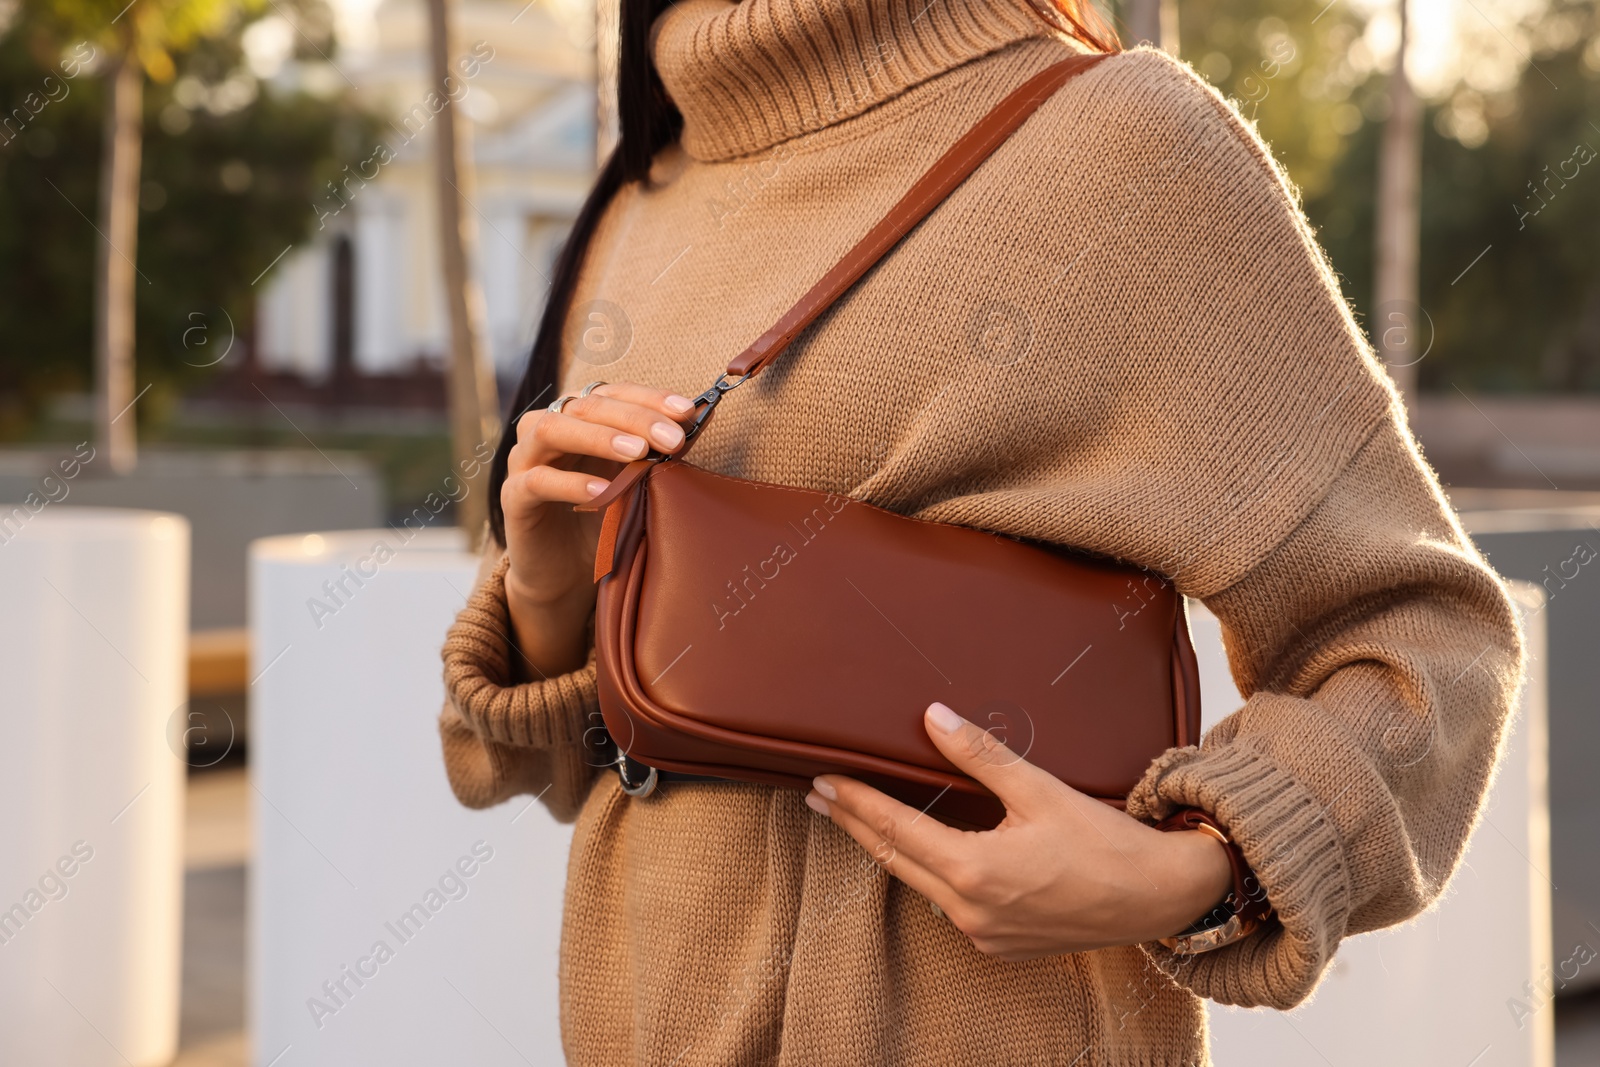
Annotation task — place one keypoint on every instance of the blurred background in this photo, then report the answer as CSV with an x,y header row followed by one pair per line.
x,y
271,266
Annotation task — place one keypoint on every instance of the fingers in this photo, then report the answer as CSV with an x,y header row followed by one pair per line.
x,y
894,862
641,411
618,421
978,753
525,491
916,848
664,401
594,425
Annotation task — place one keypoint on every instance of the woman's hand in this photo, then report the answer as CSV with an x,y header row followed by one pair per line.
x,y
1063,872
567,458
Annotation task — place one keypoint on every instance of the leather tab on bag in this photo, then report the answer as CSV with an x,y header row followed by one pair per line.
x,y
619,486
606,551
753,358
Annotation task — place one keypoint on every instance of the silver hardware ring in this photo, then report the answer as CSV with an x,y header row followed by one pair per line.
x,y
560,402
640,789
591,387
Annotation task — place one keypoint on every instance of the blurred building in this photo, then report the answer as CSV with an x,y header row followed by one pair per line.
x,y
364,298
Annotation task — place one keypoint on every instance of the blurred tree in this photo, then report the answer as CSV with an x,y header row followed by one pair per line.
x,y
1511,221
135,39
1398,332
474,403
232,168
1294,69
1505,176
47,165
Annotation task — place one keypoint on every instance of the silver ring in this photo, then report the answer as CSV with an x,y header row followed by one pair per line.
x,y
642,789
591,387
560,402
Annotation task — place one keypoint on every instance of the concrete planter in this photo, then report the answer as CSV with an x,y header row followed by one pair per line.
x,y
1446,989
1558,550
229,497
92,653
388,925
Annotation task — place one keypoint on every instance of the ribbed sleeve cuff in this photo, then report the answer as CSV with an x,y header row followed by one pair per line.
x,y
480,679
1290,842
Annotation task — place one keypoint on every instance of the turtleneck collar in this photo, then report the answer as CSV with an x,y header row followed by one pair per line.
x,y
750,75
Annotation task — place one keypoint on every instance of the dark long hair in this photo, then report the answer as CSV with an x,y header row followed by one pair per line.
x,y
648,122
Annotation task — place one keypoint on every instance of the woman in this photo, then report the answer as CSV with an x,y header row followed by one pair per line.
x,y
1119,335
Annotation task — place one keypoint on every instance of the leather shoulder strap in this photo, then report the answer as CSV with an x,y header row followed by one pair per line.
x,y
941,179
951,170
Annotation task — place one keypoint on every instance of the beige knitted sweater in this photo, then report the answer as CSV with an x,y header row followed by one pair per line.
x,y
1119,334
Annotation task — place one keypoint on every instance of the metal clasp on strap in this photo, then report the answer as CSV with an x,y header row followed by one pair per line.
x,y
710,397
644,777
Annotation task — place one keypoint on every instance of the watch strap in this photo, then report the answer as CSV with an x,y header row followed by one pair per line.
x,y
1243,911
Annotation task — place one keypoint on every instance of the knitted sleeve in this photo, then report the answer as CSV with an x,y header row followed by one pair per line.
x,y
504,735
1380,657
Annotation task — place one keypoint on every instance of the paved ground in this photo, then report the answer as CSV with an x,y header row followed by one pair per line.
x,y
216,851
218,848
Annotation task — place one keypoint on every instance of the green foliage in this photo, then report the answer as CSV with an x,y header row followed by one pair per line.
x,y
224,196
49,174
1513,303
154,29
1526,316
1295,69
232,168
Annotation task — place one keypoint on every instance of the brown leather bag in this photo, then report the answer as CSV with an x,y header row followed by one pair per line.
x,y
768,633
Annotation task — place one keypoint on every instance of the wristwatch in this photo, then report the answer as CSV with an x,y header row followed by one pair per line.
x,y
1241,913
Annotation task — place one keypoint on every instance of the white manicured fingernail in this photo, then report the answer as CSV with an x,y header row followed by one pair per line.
x,y
816,804
825,788
678,403
944,720
628,444
596,487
